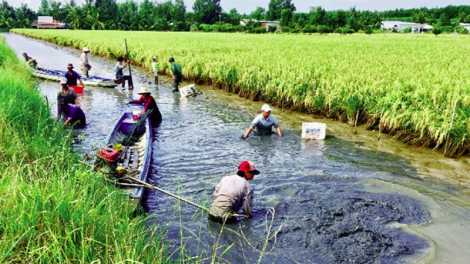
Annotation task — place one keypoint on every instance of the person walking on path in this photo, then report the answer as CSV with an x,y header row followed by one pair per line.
x,y
233,193
66,93
83,62
72,76
155,68
73,114
176,73
264,123
120,77
150,106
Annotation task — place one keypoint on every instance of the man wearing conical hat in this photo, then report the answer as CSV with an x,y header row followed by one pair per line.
x,y
83,62
150,106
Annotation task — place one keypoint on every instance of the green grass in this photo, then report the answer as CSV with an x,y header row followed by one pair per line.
x,y
404,84
52,208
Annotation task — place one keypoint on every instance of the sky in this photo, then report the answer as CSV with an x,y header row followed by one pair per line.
x,y
248,6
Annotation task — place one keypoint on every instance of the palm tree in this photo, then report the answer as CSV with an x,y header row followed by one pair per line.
x,y
77,17
114,23
5,19
21,20
93,19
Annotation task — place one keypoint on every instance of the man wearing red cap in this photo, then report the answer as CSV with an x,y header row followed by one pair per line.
x,y
233,193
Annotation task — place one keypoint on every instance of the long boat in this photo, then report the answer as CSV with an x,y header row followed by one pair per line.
x,y
128,151
56,75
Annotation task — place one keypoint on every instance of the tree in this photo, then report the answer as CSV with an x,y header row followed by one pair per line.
x,y
146,15
128,15
207,11
93,19
44,8
234,17
178,13
368,30
436,31
55,11
286,16
108,9
420,17
21,21
444,20
317,16
258,14
76,18
276,6
5,19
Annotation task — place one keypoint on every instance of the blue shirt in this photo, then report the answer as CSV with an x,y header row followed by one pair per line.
x,y
76,113
264,126
72,78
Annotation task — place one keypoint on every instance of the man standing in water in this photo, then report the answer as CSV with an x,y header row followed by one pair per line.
x,y
120,65
66,93
264,123
155,68
176,73
83,62
233,193
72,76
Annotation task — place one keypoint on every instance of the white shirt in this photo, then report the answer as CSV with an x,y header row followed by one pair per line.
x,y
231,194
83,61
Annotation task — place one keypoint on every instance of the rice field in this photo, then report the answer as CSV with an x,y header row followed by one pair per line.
x,y
415,87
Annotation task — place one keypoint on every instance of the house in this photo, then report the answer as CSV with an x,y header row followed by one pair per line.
x,y
48,22
266,24
466,25
400,26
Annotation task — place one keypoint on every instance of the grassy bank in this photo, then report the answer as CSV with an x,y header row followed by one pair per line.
x,y
52,209
407,85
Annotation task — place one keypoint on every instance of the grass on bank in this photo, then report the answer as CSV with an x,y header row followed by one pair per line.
x,y
52,209
406,85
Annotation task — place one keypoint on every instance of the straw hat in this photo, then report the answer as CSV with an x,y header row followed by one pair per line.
x,y
85,49
143,90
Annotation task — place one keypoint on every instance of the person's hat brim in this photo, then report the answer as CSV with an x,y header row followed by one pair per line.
x,y
255,172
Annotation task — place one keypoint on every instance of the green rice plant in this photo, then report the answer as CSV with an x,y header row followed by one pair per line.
x,y
52,208
411,78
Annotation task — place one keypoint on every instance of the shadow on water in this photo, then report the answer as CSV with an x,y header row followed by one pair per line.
x,y
334,201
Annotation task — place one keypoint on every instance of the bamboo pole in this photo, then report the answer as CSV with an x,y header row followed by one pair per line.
x,y
129,63
150,186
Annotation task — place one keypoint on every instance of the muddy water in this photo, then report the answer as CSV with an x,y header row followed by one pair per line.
x,y
347,199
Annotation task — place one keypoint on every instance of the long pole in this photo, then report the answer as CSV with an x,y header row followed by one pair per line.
x,y
127,55
150,186
167,193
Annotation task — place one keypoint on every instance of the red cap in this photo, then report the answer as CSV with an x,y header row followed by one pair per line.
x,y
247,166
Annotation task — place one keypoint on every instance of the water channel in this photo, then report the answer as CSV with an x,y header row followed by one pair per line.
x,y
347,199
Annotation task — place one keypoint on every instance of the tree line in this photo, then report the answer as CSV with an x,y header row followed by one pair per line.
x,y
209,16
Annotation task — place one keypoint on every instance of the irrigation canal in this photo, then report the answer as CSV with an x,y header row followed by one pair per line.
x,y
347,199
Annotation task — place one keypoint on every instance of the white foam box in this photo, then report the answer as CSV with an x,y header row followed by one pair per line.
x,y
313,130
188,90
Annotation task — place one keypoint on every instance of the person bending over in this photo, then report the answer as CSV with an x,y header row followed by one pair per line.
x,y
233,193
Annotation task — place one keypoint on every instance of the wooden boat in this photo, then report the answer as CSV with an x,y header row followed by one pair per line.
x,y
131,138
56,75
